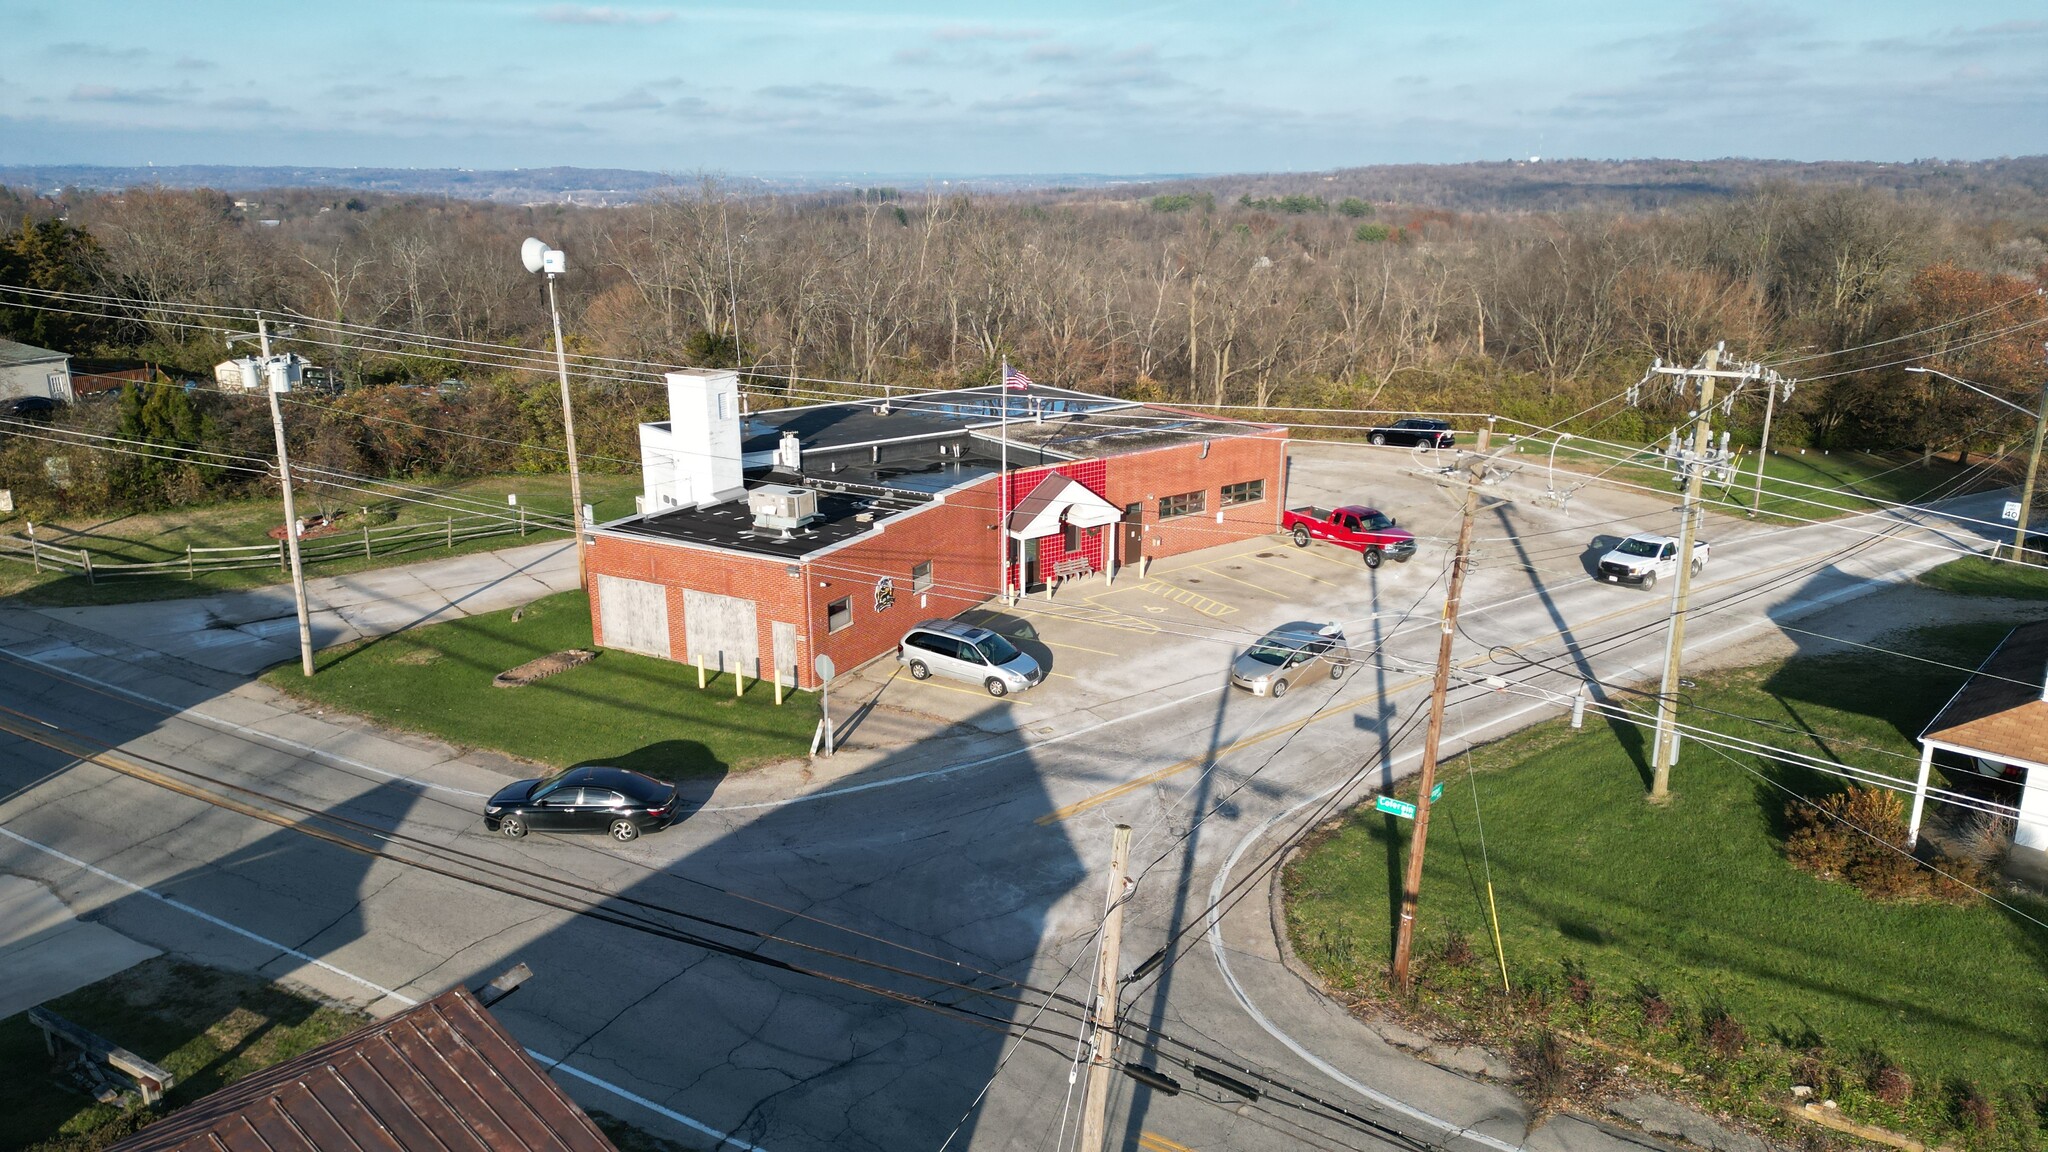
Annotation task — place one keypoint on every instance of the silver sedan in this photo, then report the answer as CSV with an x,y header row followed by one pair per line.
x,y
1290,654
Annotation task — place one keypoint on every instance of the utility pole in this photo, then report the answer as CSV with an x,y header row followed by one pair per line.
x,y
1411,887
1763,450
1102,1046
2019,533
276,379
1664,748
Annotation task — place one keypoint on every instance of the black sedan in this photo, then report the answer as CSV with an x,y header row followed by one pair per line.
x,y
616,801
1414,432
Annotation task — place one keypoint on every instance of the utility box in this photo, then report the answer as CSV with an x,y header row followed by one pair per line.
x,y
782,507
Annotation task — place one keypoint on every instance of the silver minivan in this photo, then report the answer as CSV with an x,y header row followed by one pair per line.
x,y
964,652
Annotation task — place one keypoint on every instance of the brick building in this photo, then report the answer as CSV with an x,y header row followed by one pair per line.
x,y
765,539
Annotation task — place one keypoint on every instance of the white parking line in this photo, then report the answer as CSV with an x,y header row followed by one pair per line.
x,y
170,901
281,742
949,769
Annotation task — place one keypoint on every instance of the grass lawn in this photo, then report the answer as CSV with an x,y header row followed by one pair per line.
x,y
1696,901
1843,481
207,1026
1983,576
633,711
155,536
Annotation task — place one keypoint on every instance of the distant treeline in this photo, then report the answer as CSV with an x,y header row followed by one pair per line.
x,y
1370,289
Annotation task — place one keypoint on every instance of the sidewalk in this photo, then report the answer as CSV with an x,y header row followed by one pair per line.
x,y
245,632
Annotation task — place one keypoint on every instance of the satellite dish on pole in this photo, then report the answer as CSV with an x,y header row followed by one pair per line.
x,y
533,254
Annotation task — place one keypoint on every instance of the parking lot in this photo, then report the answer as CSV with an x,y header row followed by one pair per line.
x,y
1110,646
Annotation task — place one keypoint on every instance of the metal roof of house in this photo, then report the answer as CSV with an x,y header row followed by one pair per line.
x,y
1999,711
443,1076
13,353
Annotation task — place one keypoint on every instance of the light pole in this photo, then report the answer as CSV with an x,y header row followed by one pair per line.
x,y
1551,483
2019,532
538,257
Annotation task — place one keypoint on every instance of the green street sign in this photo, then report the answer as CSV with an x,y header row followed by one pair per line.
x,y
1402,808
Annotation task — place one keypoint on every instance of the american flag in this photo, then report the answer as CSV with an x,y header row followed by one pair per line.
x,y
1015,379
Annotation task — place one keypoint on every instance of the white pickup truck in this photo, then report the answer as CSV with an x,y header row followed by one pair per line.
x,y
1644,559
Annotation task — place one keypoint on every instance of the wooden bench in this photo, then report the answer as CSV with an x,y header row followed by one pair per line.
x,y
154,1081
1071,567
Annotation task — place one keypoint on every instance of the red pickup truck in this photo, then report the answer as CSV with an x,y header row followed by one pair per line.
x,y
1364,530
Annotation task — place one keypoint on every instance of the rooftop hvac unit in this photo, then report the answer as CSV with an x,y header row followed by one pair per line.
x,y
782,506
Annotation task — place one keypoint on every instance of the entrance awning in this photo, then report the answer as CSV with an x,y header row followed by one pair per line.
x,y
1056,502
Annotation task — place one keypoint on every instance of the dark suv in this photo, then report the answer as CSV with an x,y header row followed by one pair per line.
x,y
617,801
1415,432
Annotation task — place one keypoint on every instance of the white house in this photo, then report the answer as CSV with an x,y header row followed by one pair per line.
x,y
26,370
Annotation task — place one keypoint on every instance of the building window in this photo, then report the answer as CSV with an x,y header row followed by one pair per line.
x,y
1248,492
839,614
921,577
1070,539
1185,504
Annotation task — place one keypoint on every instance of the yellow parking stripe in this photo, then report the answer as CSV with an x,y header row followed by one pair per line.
x,y
1235,580
1154,1142
1009,699
1293,572
1207,606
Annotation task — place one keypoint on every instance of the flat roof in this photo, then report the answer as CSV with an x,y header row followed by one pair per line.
x,y
730,525
1999,711
857,423
1119,431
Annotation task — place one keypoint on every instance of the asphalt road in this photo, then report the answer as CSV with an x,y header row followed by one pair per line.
x,y
832,957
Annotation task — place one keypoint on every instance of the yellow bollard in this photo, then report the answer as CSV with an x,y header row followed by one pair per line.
x,y
739,682
700,672
778,689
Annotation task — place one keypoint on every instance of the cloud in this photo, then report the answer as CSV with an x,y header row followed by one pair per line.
x,y
193,64
243,104
108,94
638,100
836,95
911,56
1052,53
602,14
964,33
79,49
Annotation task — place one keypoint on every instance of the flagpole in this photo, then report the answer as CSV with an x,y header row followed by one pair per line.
x,y
1003,485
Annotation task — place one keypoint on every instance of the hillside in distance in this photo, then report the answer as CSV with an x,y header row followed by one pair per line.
x,y
2000,186
595,187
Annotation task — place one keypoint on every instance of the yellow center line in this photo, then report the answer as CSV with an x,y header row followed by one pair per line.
x,y
1158,774
1174,769
1154,1142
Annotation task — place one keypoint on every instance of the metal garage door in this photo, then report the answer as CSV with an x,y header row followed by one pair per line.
x,y
721,630
633,615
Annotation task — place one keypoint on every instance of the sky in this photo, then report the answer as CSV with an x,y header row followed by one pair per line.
x,y
874,86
